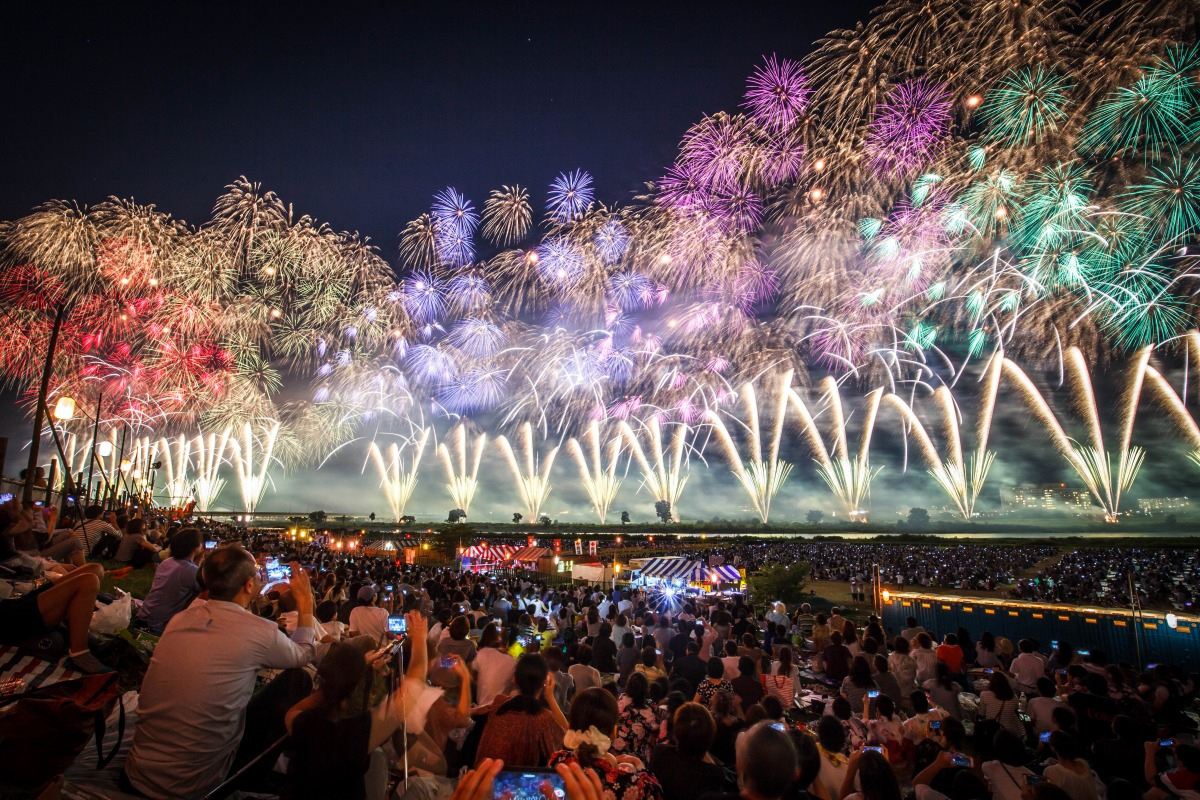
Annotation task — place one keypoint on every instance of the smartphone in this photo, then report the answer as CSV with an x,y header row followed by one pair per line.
x,y
959,760
500,624
1054,644
210,544
873,694
873,749
779,726
1151,666
935,725
448,663
989,671
397,623
391,587
1167,743
276,572
1045,737
1032,780
6,497
1084,652
1062,672
659,652
526,784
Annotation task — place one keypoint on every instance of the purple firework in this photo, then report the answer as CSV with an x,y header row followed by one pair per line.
x,y
428,364
716,149
423,297
455,221
476,337
909,126
559,262
740,210
631,291
611,241
777,94
468,292
570,195
682,189
474,390
755,286
782,159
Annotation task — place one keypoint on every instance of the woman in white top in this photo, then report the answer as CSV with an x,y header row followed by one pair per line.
x,y
926,659
902,665
786,670
1072,773
999,703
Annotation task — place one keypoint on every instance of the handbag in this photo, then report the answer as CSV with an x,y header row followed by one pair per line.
x,y
44,730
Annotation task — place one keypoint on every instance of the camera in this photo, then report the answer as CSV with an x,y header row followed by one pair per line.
x,y
397,623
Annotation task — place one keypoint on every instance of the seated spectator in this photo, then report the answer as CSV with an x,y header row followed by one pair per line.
x,y
999,705
920,726
1007,775
859,683
730,660
834,660
628,658
592,726
1119,757
368,619
204,668
1027,668
564,684
1072,773
822,633
175,584
95,535
457,642
70,600
493,666
746,686
134,548
884,680
831,743
652,665
922,653
902,666
684,768
582,673
885,726
854,727
332,736
724,707
715,682
782,681
524,730
950,654
872,772
1041,708
1182,782
641,726
766,762
945,691
985,653
690,668
943,770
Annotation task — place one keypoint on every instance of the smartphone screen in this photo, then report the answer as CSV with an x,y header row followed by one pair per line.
x,y
1045,737
873,749
873,693
935,725
448,663
211,544
276,572
1167,743
960,760
526,784
397,623
6,497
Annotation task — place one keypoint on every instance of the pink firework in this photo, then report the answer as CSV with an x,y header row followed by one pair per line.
x,y
682,190
777,94
909,127
716,150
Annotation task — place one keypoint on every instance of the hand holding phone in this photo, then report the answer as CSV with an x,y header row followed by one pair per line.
x,y
526,784
959,760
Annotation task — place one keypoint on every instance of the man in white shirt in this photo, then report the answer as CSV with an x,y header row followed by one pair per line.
x,y
195,701
1027,668
368,619
625,606
912,630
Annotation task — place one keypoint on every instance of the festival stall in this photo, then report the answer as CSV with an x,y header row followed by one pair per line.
x,y
486,556
679,574
382,547
538,559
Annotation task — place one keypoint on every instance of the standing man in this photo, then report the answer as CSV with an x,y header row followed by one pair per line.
x,y
195,701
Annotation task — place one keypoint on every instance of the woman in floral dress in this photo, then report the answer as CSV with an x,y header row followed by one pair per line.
x,y
641,724
588,743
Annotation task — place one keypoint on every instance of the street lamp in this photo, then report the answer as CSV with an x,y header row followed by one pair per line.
x,y
64,409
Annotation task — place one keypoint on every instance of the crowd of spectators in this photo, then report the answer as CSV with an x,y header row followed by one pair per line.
x,y
1163,578
364,668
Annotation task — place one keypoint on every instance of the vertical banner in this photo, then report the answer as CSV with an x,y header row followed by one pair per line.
x,y
531,541
557,546
592,545
579,547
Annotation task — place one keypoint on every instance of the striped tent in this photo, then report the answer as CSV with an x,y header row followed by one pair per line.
x,y
489,552
670,568
526,554
371,546
718,574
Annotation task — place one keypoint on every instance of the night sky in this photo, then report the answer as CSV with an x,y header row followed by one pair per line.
x,y
356,116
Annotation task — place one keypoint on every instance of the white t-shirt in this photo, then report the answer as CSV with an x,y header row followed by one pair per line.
x,y
369,621
493,674
1004,781
1027,668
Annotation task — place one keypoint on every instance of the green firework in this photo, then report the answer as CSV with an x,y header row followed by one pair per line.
x,y
1025,106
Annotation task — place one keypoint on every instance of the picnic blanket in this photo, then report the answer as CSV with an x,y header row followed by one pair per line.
x,y
36,673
